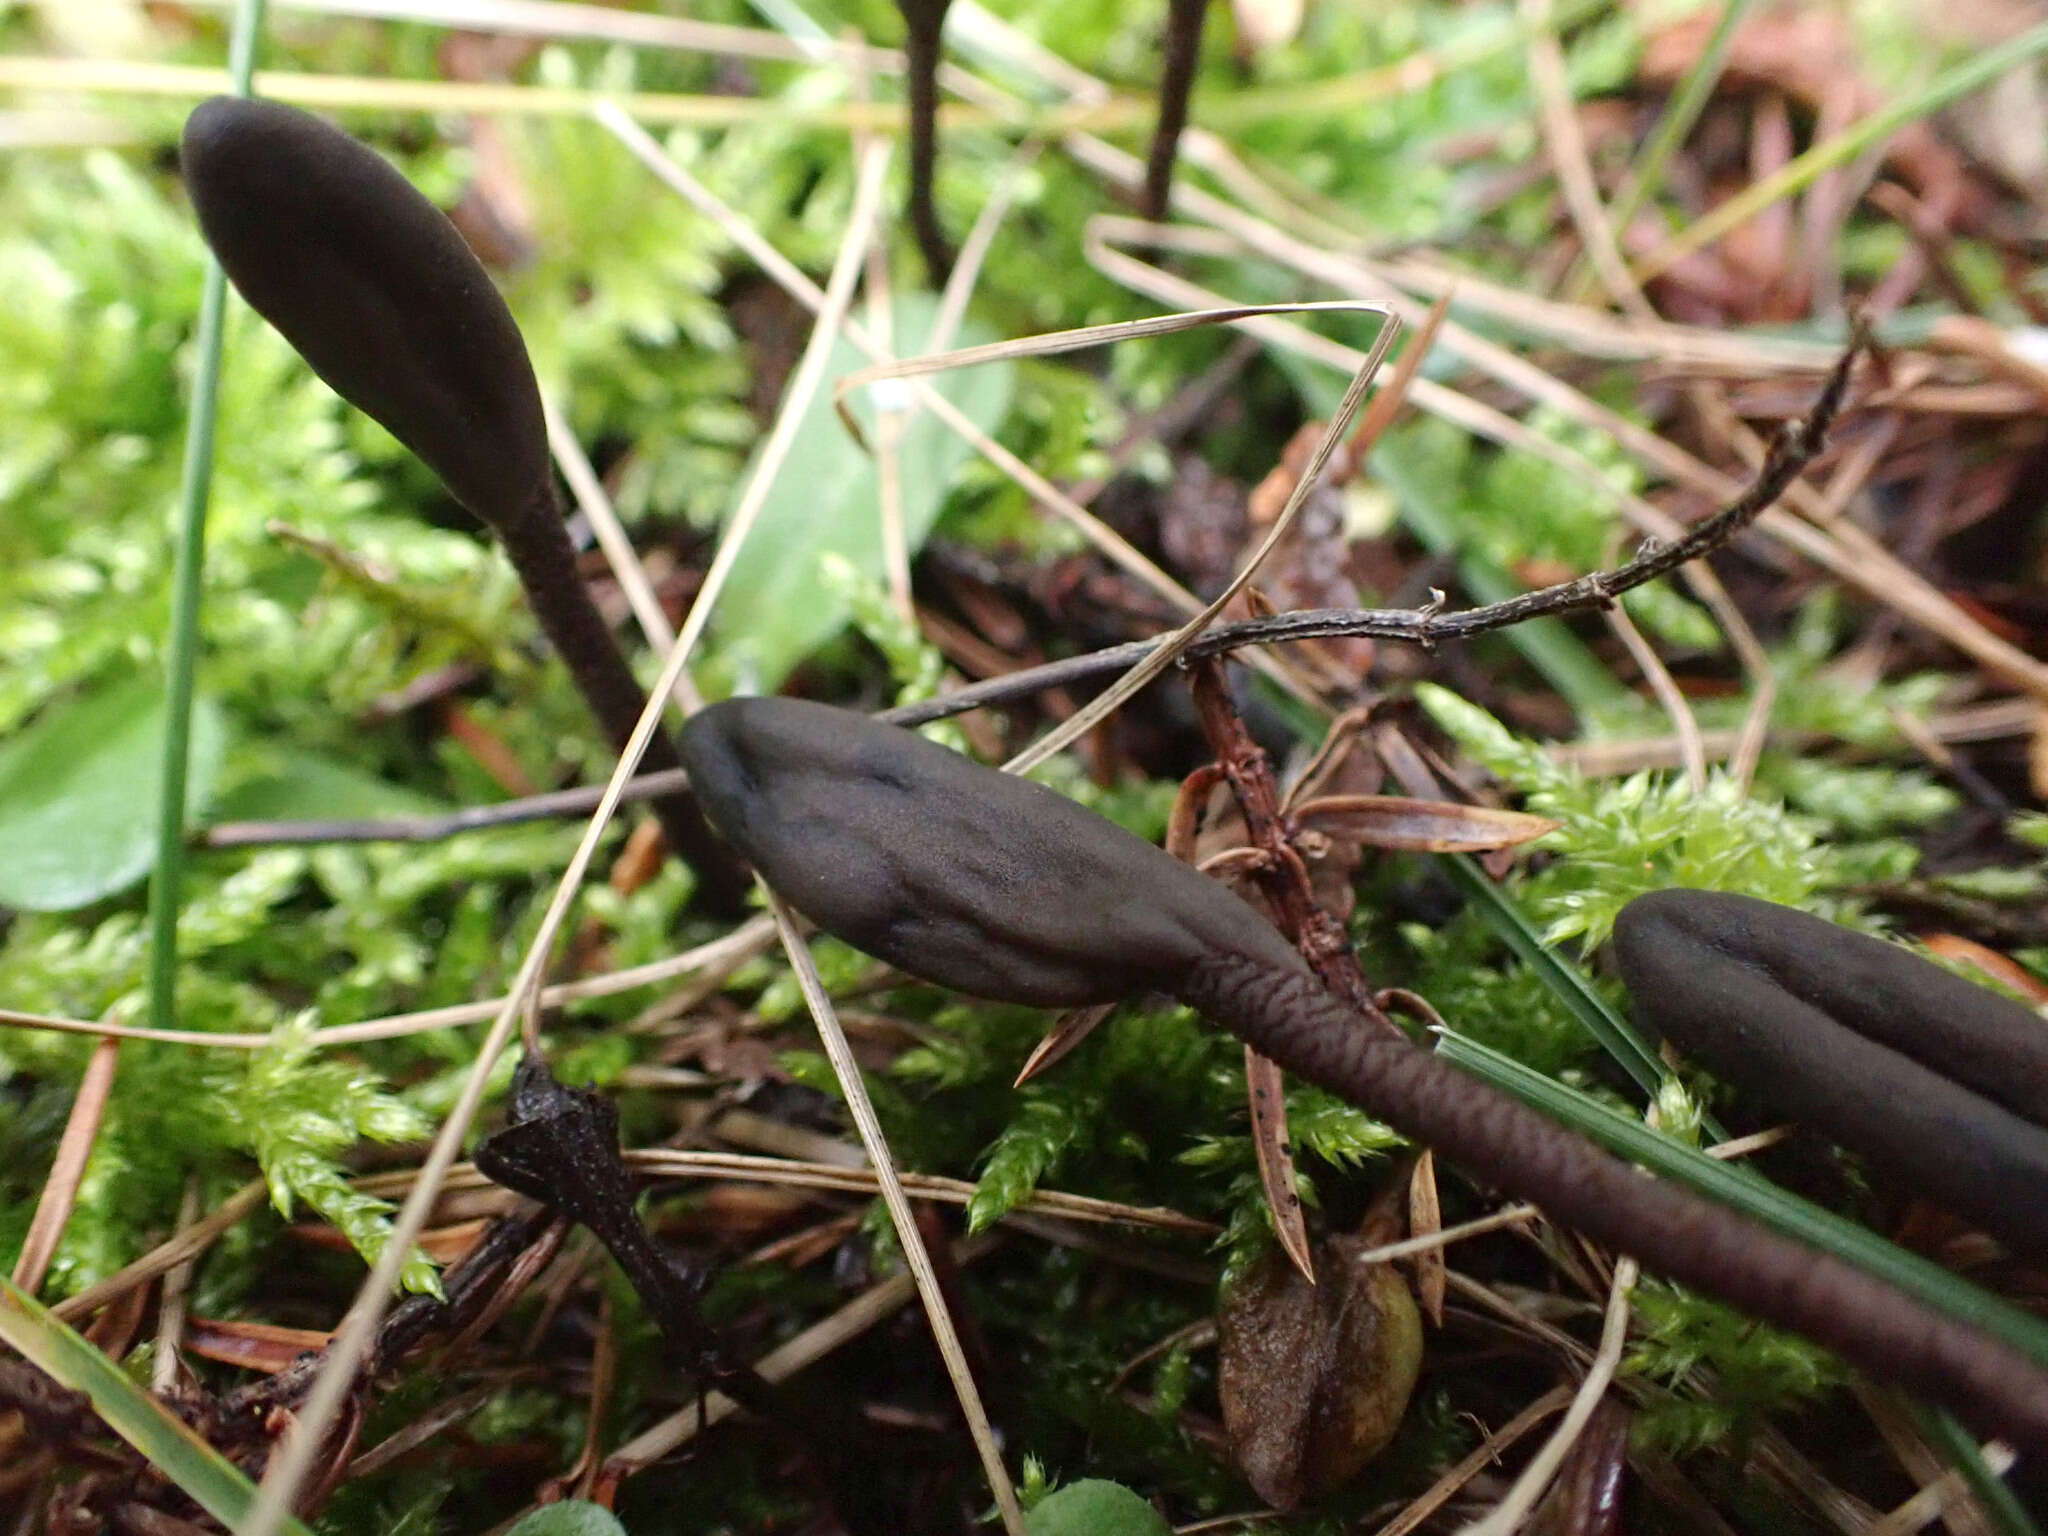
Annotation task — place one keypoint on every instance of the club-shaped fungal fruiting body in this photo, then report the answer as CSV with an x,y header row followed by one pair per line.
x,y
374,287
1941,1084
981,881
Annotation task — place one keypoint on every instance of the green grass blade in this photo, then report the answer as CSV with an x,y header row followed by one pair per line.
x,y
1990,1491
1979,70
1615,1034
181,661
1754,1196
214,1482
1646,175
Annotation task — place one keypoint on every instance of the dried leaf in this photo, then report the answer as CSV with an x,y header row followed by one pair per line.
x,y
1426,1219
2005,972
1421,826
263,1347
1266,1089
1073,1026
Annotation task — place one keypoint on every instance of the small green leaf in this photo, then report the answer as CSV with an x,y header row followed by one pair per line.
x,y
571,1517
1095,1507
778,605
78,796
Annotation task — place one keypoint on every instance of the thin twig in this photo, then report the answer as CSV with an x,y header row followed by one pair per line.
x,y
1429,627
1528,1488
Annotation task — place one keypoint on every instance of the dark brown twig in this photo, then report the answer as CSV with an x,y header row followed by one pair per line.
x,y
925,22
1795,446
1182,51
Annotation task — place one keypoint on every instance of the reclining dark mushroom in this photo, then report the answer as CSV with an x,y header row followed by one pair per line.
x,y
1001,888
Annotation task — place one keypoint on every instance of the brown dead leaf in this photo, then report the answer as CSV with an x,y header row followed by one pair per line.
x,y
2006,972
1072,1027
264,1347
1426,1219
1421,826
1266,1089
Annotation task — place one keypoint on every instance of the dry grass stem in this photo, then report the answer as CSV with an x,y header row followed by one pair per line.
x,y
800,286
171,1307
667,1163
847,1070
67,1169
1535,1478
602,23
1946,1498
1488,1451
1690,749
1855,558
714,960
187,1244
611,534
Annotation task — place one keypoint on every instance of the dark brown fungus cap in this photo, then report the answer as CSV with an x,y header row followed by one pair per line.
x,y
376,289
1940,1083
975,879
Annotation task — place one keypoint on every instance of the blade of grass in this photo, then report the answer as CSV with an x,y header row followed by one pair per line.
x,y
1754,1196
1978,70
1615,1034
1646,174
1993,1495
214,1482
182,652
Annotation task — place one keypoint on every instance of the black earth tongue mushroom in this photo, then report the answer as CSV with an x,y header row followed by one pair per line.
x,y
562,1149
1939,1083
999,887
375,288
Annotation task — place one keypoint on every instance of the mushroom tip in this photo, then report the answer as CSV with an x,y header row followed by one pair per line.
x,y
221,126
713,749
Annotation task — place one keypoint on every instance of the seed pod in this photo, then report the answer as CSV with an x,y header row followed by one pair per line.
x,y
1941,1084
1315,1378
976,880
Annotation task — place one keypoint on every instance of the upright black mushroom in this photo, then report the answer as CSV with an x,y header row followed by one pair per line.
x,y
376,289
999,887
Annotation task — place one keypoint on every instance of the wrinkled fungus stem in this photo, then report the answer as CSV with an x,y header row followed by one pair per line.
x,y
1292,1019
1183,51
